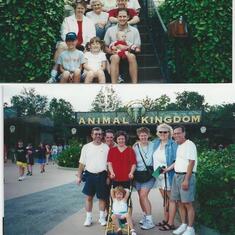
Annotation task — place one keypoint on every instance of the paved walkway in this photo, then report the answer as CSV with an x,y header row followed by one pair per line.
x,y
51,203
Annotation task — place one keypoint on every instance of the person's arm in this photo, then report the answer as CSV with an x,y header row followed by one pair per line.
x,y
185,184
61,68
103,65
86,66
110,168
134,20
81,168
131,174
127,194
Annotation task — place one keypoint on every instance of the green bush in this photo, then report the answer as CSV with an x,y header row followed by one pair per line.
x,y
207,54
70,156
29,34
216,189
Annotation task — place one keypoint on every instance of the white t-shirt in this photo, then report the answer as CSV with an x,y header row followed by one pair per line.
x,y
159,158
102,17
94,157
109,4
134,4
119,207
95,60
185,152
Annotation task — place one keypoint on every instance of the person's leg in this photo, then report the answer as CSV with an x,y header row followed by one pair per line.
x,y
89,203
100,32
145,201
129,220
172,212
65,77
115,221
76,76
190,213
114,68
133,69
101,76
89,77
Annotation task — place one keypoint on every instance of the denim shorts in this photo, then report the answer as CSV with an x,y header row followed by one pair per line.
x,y
178,194
147,185
41,160
95,184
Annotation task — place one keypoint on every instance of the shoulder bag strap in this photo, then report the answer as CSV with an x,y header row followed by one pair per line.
x,y
142,156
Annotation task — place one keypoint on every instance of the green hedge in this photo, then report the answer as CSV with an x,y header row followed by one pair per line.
x,y
31,29
216,189
70,156
207,55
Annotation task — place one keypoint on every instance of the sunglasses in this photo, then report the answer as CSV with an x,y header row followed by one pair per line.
x,y
163,132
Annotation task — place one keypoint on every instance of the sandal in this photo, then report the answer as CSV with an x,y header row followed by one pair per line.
x,y
167,227
160,224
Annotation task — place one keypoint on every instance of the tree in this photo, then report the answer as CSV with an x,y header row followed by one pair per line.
x,y
161,103
106,100
148,103
29,103
60,111
190,100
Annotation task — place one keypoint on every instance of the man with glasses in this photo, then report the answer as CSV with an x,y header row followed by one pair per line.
x,y
184,182
93,160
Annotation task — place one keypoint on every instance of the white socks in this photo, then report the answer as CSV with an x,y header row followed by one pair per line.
x,y
102,214
88,215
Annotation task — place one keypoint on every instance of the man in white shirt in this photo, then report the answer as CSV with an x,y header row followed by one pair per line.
x,y
93,160
184,182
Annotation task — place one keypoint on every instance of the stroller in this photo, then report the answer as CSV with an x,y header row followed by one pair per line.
x,y
125,228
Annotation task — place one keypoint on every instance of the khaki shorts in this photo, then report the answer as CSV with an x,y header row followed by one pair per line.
x,y
22,164
178,194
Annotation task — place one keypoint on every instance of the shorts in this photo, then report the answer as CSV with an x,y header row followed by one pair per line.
x,y
160,182
146,185
121,215
124,184
178,194
21,164
41,160
96,184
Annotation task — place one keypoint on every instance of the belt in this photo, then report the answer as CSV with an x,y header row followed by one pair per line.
x,y
183,173
99,173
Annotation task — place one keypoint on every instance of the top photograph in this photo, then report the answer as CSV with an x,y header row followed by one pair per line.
x,y
116,41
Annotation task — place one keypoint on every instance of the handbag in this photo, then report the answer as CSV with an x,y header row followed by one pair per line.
x,y
143,176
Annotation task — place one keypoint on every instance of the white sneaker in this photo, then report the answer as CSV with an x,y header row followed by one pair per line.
x,y
20,178
142,221
189,231
120,79
133,232
180,229
102,221
148,225
88,221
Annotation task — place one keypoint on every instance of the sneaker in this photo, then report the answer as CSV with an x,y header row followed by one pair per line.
x,y
189,231
20,178
180,229
120,79
51,80
102,221
133,232
147,225
28,173
142,221
88,221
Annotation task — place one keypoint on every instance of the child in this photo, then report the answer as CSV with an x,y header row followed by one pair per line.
x,y
95,62
122,47
30,159
120,209
70,61
21,160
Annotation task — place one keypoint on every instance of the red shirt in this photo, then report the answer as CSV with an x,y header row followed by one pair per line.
x,y
80,39
121,162
114,13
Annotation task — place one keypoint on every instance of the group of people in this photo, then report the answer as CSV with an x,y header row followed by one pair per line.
x,y
94,43
112,164
25,156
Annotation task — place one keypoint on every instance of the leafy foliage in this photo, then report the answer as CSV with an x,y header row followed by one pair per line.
x,y
29,103
30,32
207,53
70,156
106,100
215,189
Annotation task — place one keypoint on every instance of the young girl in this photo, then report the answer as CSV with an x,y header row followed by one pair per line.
x,y
95,62
120,208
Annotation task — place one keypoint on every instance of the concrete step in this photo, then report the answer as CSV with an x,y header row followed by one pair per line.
x,y
150,74
147,60
146,48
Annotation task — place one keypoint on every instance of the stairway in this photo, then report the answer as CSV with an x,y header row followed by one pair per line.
x,y
148,66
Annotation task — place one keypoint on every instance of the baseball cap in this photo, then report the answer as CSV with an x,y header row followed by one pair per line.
x,y
71,36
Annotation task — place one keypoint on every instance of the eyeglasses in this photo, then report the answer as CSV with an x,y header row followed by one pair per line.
x,y
97,134
163,132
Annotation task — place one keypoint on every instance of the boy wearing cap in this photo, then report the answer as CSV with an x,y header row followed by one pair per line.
x,y
70,61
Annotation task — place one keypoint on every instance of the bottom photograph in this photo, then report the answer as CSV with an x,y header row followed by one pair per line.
x,y
121,159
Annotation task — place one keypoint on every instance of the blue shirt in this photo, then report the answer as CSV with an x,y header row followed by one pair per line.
x,y
147,153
